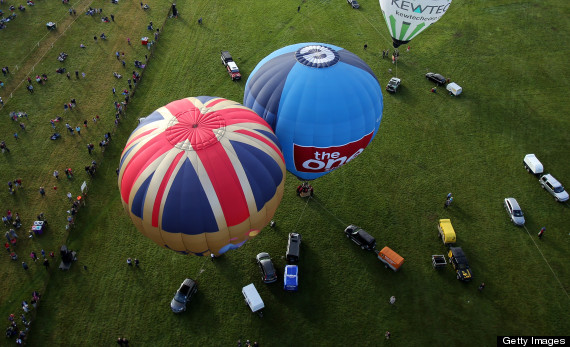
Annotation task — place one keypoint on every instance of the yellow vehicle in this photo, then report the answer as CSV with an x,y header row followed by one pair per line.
x,y
446,232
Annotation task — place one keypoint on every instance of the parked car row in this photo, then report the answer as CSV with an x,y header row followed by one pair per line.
x,y
290,277
452,87
456,256
532,165
367,242
547,181
269,274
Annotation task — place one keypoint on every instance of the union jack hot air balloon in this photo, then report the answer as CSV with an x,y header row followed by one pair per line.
x,y
201,175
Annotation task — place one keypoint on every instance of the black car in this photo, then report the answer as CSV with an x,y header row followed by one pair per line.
x,y
437,78
293,248
459,261
268,273
353,3
183,295
360,237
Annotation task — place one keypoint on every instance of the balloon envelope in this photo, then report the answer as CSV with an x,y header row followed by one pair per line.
x,y
201,175
407,18
323,102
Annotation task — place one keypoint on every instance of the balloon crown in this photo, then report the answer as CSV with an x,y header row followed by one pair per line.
x,y
318,56
195,129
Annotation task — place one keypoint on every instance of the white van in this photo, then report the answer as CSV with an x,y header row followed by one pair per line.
x,y
532,164
252,299
454,88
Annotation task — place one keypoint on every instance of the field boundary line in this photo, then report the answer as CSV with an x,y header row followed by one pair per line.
x,y
547,263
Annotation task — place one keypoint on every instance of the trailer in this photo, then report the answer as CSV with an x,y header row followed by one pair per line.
x,y
252,299
438,261
390,258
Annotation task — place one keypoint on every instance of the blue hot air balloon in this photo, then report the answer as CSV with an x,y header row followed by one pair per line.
x,y
323,102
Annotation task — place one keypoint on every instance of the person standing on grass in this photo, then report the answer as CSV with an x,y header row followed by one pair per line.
x,y
3,147
42,191
392,300
46,263
541,232
24,265
481,286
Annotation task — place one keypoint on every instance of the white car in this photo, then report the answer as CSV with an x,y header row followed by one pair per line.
x,y
554,187
514,211
393,85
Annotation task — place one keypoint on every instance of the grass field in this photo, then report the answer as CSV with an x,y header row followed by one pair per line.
x,y
510,57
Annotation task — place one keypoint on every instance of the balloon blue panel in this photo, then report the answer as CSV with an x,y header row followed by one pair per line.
x,y
187,198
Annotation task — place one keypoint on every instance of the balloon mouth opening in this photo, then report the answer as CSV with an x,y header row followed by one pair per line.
x,y
195,129
397,43
317,56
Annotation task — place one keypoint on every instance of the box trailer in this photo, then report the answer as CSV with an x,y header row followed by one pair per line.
x,y
454,89
252,299
392,259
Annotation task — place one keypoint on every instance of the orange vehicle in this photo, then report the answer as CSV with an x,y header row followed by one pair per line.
x,y
390,258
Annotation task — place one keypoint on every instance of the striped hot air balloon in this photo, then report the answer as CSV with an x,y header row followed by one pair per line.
x,y
201,175
323,102
408,18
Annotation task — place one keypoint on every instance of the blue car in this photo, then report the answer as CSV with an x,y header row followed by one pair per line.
x,y
291,278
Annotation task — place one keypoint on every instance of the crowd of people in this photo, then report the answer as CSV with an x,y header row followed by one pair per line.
x,y
13,221
20,330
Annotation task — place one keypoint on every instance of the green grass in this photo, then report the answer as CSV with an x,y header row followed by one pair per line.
x,y
428,144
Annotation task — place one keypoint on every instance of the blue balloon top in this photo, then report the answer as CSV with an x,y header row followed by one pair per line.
x,y
323,102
